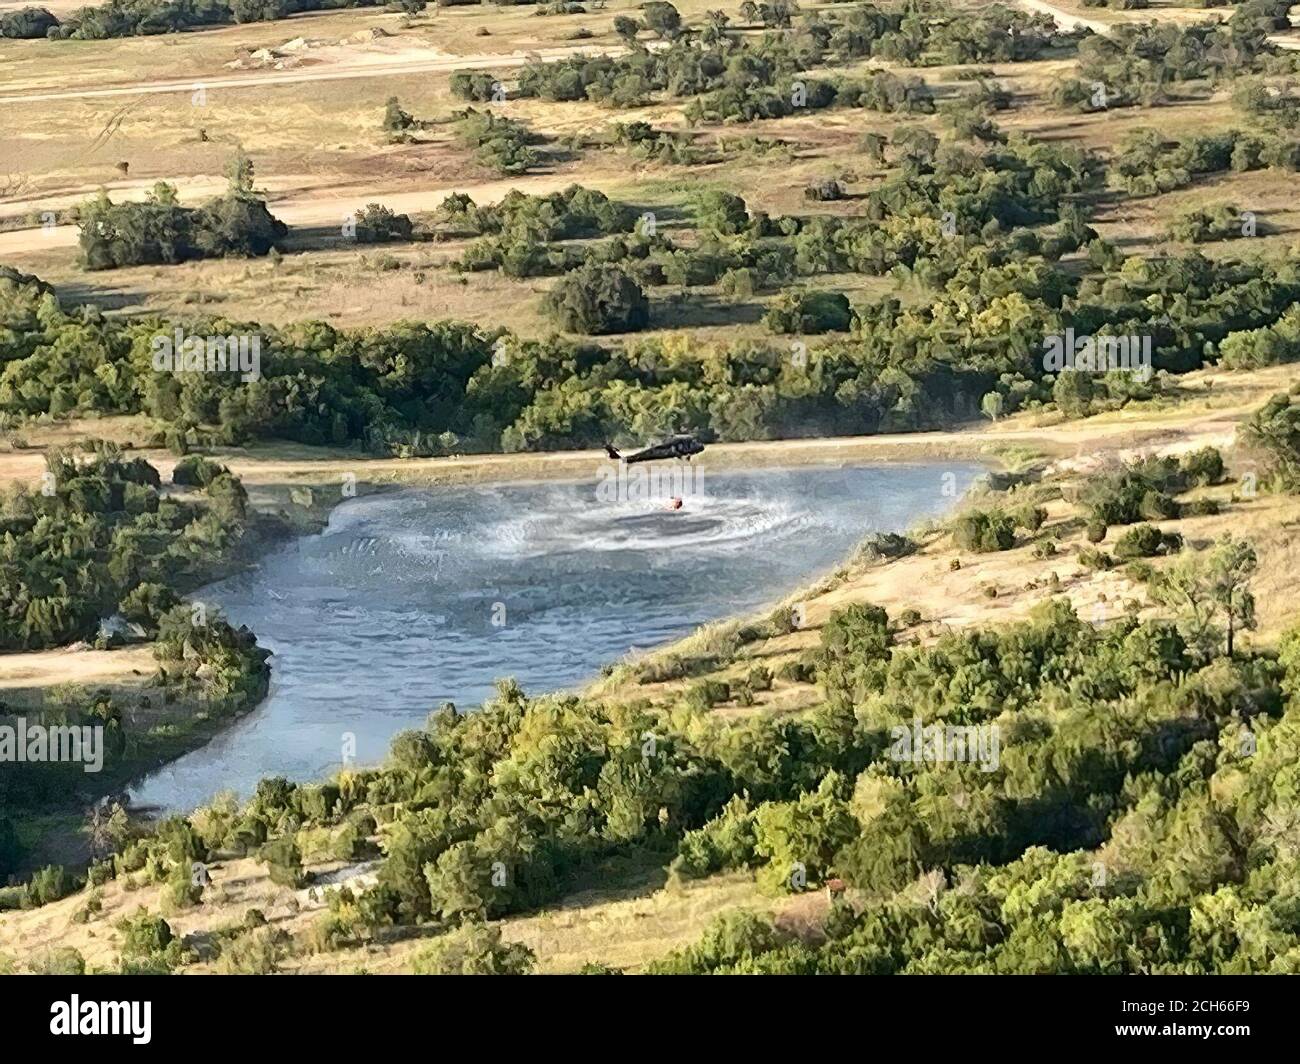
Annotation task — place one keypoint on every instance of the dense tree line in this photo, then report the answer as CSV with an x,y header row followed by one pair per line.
x,y
1149,163
429,388
735,77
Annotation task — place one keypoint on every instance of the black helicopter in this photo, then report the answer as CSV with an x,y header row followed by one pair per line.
x,y
679,446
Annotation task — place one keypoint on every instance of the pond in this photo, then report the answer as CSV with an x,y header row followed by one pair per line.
x,y
419,596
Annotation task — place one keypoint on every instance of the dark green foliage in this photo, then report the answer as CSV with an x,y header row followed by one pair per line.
x,y
886,545
810,312
1141,491
159,230
196,471
1146,541
1274,431
501,143
476,86
376,224
49,884
130,18
597,301
283,862
1029,517
732,942
27,22
661,18
474,949
73,552
707,693
395,119
855,646
1203,467
148,945
984,531
1221,222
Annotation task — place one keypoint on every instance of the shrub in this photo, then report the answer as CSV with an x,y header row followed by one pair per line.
x,y
283,862
723,212
597,300
1204,467
1029,517
148,944
984,531
810,313
824,191
196,471
796,672
62,960
707,693
160,231
1146,541
30,23
49,884
475,948
257,951
475,85
376,224
395,119
1157,506
886,545
501,143
662,18
723,843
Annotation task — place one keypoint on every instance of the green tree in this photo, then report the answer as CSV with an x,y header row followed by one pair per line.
x,y
1212,586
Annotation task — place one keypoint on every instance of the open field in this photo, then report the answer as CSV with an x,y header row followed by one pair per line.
x,y
320,156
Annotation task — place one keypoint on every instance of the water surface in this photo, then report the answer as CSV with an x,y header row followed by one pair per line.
x,y
420,596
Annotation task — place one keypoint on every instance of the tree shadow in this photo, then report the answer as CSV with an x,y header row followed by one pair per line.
x,y
106,297
685,310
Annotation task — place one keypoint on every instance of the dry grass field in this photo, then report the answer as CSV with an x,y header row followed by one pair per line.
x,y
320,155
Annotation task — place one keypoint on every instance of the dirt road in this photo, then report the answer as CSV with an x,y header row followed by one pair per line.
x,y
1063,18
360,65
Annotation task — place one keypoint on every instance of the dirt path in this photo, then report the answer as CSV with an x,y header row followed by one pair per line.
x,y
415,61
1063,18
24,673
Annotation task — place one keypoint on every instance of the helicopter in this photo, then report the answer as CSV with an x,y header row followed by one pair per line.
x,y
682,445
